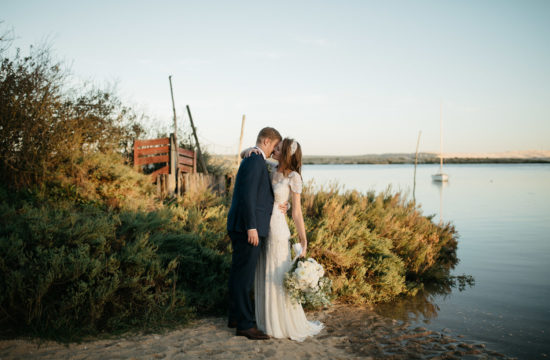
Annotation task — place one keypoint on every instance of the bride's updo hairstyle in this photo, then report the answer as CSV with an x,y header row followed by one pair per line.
x,y
291,156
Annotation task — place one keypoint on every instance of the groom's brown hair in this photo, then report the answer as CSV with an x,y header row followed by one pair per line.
x,y
270,133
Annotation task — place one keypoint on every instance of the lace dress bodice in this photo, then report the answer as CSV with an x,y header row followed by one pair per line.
x,y
283,184
280,234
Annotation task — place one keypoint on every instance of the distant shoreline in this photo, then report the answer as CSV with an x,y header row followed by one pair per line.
x,y
510,157
389,161
540,157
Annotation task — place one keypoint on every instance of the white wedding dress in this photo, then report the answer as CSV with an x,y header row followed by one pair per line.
x,y
276,314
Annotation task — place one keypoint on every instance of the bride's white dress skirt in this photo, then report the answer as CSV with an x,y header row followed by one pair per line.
x,y
276,314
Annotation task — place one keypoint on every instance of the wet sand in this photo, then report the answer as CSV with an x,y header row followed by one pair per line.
x,y
350,333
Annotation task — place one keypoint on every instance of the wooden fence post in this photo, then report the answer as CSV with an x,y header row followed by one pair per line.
x,y
201,158
136,166
241,141
171,183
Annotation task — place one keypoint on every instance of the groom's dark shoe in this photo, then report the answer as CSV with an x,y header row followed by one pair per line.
x,y
253,334
232,324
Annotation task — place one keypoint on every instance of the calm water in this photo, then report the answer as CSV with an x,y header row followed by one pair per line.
x,y
502,214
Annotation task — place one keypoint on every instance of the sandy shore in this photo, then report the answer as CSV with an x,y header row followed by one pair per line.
x,y
350,333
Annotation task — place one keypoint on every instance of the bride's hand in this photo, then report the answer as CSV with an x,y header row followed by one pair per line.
x,y
303,254
247,152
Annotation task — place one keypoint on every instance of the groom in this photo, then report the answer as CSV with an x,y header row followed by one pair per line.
x,y
248,225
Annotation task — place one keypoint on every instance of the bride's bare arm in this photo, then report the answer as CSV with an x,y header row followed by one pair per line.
x,y
248,151
298,218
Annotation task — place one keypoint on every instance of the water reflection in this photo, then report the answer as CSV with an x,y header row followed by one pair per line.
x,y
423,306
440,185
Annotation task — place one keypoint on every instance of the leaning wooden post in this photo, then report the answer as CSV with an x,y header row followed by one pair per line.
x,y
201,158
172,173
173,108
241,141
175,176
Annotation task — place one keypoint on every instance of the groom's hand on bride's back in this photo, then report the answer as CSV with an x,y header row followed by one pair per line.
x,y
253,237
284,207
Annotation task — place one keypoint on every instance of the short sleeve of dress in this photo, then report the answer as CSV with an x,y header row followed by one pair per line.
x,y
295,181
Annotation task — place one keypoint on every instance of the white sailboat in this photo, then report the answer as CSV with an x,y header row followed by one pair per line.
x,y
441,176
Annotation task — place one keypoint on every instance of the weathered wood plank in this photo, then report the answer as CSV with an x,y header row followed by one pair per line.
x,y
162,170
186,152
153,150
199,182
185,168
185,161
161,141
153,159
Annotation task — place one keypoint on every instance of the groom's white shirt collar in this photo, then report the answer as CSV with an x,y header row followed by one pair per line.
x,y
263,154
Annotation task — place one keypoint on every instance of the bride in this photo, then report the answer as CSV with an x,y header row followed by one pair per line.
x,y
276,314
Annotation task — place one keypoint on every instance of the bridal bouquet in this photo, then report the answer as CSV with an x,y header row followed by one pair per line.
x,y
306,283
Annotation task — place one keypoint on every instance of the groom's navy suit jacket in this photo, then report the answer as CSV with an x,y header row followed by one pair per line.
x,y
252,201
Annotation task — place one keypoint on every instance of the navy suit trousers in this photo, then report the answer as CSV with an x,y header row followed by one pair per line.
x,y
241,280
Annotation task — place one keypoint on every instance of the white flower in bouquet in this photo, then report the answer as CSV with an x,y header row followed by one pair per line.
x,y
307,273
306,282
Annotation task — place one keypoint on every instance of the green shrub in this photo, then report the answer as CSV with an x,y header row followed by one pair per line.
x,y
47,123
71,266
69,272
202,272
101,180
375,247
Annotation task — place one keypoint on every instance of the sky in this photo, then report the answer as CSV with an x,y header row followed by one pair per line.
x,y
341,77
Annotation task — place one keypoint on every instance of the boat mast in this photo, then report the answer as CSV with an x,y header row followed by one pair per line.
x,y
441,137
